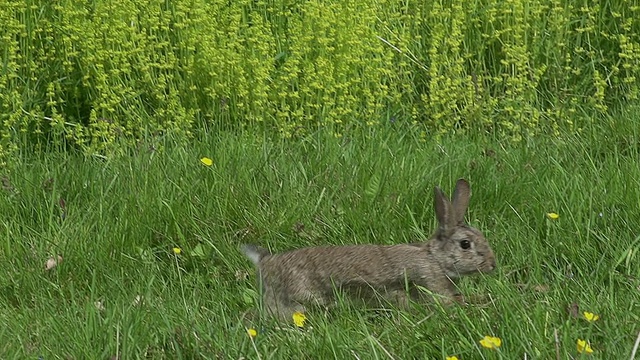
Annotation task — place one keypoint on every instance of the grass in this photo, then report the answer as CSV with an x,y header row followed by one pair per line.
x,y
122,291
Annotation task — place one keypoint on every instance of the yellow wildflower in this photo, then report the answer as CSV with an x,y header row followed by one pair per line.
x,y
299,319
252,333
590,317
177,250
206,161
583,347
452,358
491,342
553,216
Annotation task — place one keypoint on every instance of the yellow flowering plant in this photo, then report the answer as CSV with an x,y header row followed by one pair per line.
x,y
206,161
553,216
583,347
299,319
491,342
590,317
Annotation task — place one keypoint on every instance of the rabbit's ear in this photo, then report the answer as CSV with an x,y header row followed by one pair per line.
x,y
443,210
461,196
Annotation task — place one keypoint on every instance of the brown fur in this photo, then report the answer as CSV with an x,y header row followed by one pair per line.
x,y
308,276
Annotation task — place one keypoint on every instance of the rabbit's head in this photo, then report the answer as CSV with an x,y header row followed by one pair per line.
x,y
459,248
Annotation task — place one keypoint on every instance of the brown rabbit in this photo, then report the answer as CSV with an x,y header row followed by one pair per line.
x,y
292,280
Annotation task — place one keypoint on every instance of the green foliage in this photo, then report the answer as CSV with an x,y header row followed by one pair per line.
x,y
121,290
100,74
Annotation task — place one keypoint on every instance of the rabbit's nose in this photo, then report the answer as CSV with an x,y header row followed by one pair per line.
x,y
492,263
489,262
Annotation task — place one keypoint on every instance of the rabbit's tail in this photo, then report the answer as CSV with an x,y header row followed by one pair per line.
x,y
254,253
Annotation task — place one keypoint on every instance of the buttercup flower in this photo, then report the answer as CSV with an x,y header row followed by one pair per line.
x,y
451,358
252,333
177,250
491,342
299,319
583,347
590,317
553,216
206,161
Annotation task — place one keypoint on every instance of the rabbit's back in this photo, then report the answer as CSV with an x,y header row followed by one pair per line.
x,y
318,270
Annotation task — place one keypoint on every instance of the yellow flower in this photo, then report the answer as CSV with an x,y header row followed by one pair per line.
x,y
553,216
299,319
177,250
206,161
590,317
452,358
583,347
491,342
252,333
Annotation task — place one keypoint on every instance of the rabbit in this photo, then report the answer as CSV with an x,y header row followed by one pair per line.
x,y
293,280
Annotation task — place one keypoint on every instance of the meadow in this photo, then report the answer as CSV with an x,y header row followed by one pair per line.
x,y
142,142
137,255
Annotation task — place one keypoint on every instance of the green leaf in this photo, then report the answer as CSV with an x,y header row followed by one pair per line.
x,y
373,187
197,251
248,296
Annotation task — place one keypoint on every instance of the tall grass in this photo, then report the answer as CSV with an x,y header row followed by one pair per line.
x,y
121,290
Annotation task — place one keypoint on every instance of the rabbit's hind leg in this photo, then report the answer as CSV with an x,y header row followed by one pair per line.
x,y
282,307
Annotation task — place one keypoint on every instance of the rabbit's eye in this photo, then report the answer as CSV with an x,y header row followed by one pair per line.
x,y
465,244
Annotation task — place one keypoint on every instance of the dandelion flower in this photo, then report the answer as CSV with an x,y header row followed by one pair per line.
x,y
299,319
252,333
553,216
206,161
583,347
590,317
177,250
491,342
451,358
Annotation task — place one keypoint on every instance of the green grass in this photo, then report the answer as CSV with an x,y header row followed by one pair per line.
x,y
123,215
